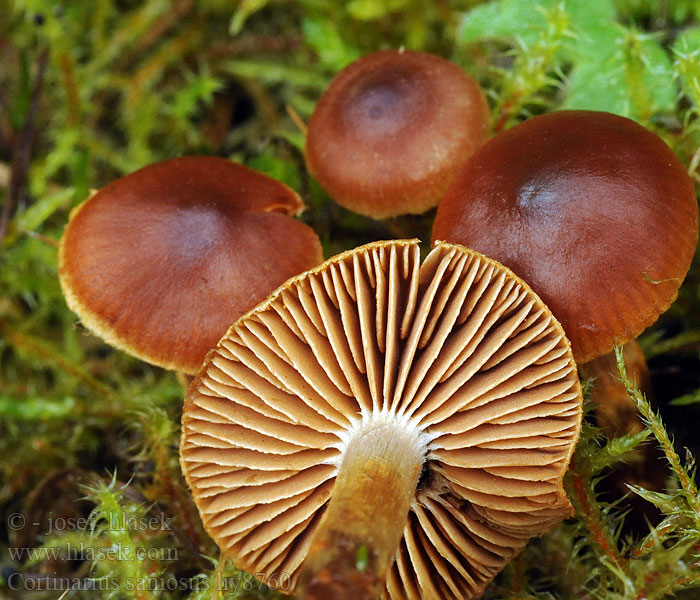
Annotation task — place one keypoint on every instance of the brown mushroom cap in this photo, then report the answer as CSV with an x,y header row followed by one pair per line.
x,y
595,212
160,262
390,132
456,373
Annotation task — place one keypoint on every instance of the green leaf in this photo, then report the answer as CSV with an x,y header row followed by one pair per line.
x,y
43,208
616,450
634,80
666,503
366,10
275,167
613,68
80,166
275,72
521,19
245,9
506,19
687,52
199,89
688,40
654,343
370,10
362,558
687,399
323,36
20,104
36,409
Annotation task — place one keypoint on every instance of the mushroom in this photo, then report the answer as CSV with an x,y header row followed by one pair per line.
x,y
381,426
391,130
160,262
595,212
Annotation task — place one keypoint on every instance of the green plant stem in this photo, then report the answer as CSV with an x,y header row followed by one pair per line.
x,y
690,490
44,351
580,489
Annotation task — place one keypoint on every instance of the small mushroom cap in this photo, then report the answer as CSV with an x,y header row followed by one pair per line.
x,y
160,262
391,130
457,355
595,212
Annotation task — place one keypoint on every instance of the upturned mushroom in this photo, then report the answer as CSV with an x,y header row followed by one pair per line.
x,y
391,130
160,262
381,427
595,212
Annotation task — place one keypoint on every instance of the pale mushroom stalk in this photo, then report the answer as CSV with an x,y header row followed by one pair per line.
x,y
362,526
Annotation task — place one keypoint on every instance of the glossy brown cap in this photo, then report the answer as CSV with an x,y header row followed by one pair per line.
x,y
595,212
161,262
390,132
451,374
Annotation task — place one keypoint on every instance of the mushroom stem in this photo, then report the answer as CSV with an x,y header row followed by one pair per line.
x,y
361,529
616,413
184,379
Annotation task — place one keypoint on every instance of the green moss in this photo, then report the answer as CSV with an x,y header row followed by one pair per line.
x,y
129,83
